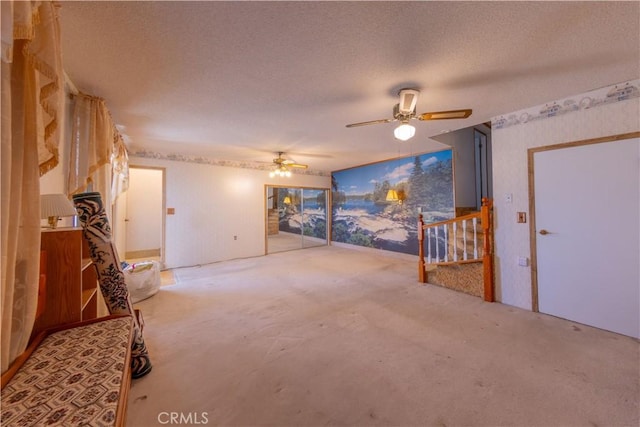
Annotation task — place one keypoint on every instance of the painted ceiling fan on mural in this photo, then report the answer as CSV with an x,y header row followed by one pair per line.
x,y
405,111
282,166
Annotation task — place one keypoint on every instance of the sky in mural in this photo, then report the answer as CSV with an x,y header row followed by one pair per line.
x,y
394,171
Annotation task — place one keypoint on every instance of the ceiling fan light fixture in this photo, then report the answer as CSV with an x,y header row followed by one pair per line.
x,y
404,132
280,171
404,111
282,167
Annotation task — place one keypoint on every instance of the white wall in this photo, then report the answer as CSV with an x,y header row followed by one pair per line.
x,y
510,174
212,205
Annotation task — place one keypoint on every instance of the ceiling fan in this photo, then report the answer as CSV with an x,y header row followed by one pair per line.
x,y
405,110
282,166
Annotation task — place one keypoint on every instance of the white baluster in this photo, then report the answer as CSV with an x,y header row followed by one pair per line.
x,y
455,241
446,242
437,247
429,245
464,239
475,238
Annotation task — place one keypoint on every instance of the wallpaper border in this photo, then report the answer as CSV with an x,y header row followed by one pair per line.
x,y
147,154
596,98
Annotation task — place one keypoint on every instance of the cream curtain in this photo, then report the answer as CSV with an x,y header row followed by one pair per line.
x,y
32,108
98,154
120,169
91,141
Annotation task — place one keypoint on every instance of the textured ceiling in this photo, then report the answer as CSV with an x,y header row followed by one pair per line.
x,y
242,80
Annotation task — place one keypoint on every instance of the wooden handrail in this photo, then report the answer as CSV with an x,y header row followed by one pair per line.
x,y
486,223
452,220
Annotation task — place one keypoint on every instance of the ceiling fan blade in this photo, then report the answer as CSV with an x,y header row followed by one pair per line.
x,y
291,163
445,115
372,122
287,163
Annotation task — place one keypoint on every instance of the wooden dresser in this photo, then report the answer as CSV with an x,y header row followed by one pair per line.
x,y
71,291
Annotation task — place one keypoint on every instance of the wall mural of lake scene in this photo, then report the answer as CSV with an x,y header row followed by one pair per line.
x,y
377,205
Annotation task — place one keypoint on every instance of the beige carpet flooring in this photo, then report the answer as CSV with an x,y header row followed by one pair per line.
x,y
284,241
333,336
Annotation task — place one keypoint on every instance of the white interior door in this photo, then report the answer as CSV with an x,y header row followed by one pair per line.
x,y
144,215
587,210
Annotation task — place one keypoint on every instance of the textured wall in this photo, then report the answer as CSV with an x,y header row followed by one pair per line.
x,y
213,204
584,116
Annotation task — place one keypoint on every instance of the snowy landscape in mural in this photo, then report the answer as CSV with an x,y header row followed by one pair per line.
x,y
303,211
377,205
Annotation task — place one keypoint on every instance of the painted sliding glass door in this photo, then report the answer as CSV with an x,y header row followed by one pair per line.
x,y
296,218
314,217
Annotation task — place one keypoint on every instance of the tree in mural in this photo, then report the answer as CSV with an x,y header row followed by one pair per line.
x,y
360,238
439,185
380,191
338,198
417,186
340,232
365,217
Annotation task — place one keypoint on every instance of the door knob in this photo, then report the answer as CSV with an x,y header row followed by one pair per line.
x,y
544,232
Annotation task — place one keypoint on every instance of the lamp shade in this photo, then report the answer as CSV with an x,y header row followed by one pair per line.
x,y
404,132
54,206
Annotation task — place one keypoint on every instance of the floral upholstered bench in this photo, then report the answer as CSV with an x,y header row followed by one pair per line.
x,y
72,375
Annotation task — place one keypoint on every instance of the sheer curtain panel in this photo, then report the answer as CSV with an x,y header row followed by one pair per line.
x,y
32,109
98,154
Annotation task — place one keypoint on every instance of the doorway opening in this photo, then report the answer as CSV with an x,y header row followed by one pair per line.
x,y
482,154
144,221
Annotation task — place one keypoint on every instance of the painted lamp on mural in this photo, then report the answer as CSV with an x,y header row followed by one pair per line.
x,y
97,232
395,196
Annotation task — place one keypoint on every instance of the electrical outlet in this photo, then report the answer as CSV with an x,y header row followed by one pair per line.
x,y
235,237
523,261
522,217
508,198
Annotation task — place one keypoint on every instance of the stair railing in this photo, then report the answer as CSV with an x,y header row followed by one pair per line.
x,y
460,240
